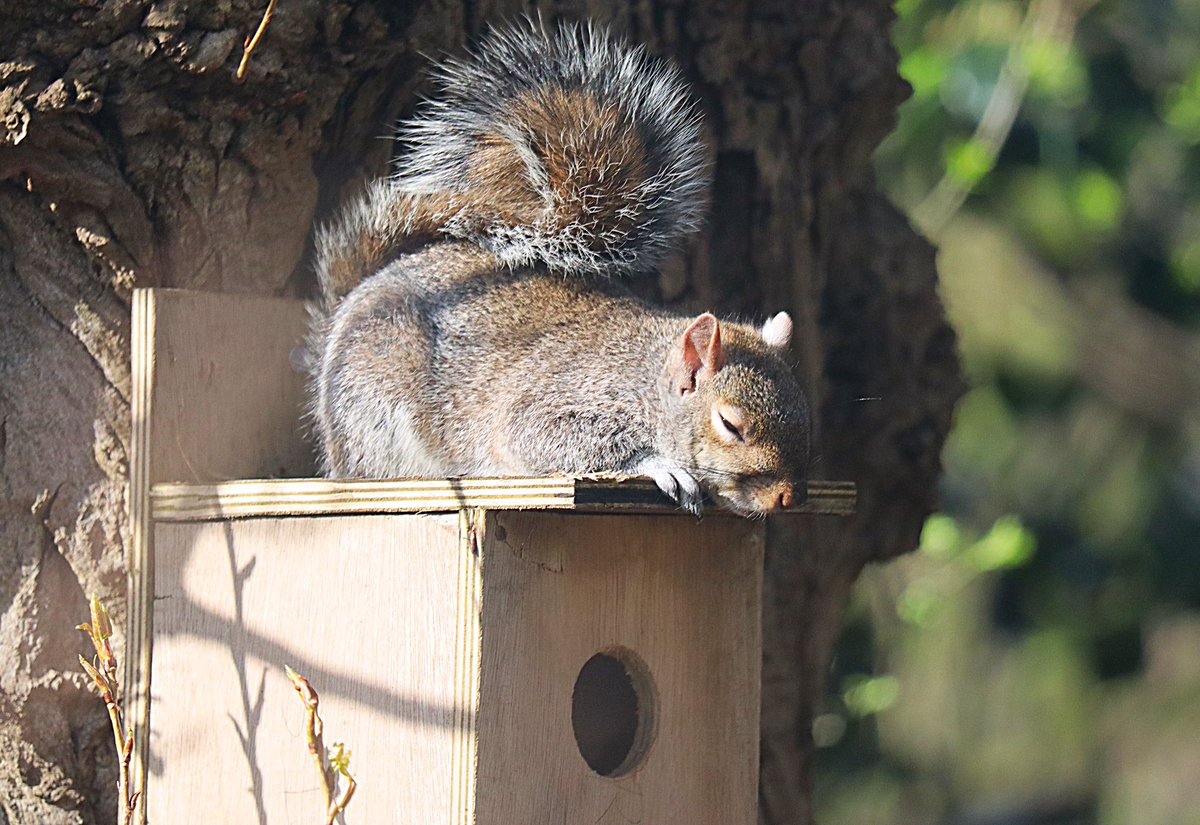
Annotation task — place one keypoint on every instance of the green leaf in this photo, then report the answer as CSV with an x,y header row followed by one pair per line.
x,y
100,682
101,625
968,162
1099,201
1007,545
339,759
1181,109
941,537
865,696
1056,71
925,70
1185,266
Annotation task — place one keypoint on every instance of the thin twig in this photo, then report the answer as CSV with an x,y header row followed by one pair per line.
x,y
252,42
131,804
103,672
313,729
338,763
1043,18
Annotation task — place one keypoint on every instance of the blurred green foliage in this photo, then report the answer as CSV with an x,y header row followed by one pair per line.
x,y
1038,660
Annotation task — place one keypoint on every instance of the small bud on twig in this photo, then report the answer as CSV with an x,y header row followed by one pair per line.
x,y
339,758
104,676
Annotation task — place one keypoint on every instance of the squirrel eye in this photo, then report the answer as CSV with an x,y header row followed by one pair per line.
x,y
728,423
734,431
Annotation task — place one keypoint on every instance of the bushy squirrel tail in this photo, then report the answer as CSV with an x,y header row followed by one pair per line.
x,y
570,149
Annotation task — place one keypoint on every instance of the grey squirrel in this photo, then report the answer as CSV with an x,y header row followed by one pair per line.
x,y
471,323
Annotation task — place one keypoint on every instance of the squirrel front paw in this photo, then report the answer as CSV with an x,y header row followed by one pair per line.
x,y
671,477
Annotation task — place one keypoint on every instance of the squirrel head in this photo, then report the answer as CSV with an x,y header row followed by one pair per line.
x,y
743,413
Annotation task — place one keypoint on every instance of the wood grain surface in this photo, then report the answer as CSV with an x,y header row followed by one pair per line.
x,y
685,599
214,398
314,496
378,612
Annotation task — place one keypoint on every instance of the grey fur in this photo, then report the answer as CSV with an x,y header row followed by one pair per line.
x,y
502,349
447,364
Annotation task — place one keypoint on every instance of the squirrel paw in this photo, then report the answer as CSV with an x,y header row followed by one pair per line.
x,y
679,485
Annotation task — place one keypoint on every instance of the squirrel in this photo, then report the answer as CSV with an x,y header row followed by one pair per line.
x,y
472,321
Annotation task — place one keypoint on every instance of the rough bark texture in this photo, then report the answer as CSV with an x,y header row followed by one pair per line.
x,y
129,156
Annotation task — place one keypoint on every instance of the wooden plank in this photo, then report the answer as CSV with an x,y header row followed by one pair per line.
x,y
140,563
685,598
380,613
226,402
468,643
250,499
214,398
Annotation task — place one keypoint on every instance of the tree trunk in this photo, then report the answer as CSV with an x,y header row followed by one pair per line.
x,y
130,156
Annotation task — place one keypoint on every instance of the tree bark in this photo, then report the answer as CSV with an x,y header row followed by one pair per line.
x,y
130,156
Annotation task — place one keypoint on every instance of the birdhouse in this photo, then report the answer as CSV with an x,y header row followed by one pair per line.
x,y
490,651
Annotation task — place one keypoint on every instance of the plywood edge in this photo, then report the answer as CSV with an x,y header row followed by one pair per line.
x,y
140,567
464,770
312,497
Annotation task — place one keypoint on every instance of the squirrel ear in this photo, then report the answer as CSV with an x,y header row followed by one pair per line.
x,y
699,354
777,332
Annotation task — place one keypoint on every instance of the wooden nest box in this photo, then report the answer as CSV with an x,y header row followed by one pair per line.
x,y
491,651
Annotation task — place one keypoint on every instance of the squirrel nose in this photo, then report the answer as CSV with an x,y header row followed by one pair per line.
x,y
785,498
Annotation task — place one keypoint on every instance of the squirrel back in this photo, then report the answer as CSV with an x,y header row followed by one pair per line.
x,y
566,149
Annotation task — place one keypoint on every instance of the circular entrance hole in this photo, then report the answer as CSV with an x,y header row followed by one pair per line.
x,y
612,712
